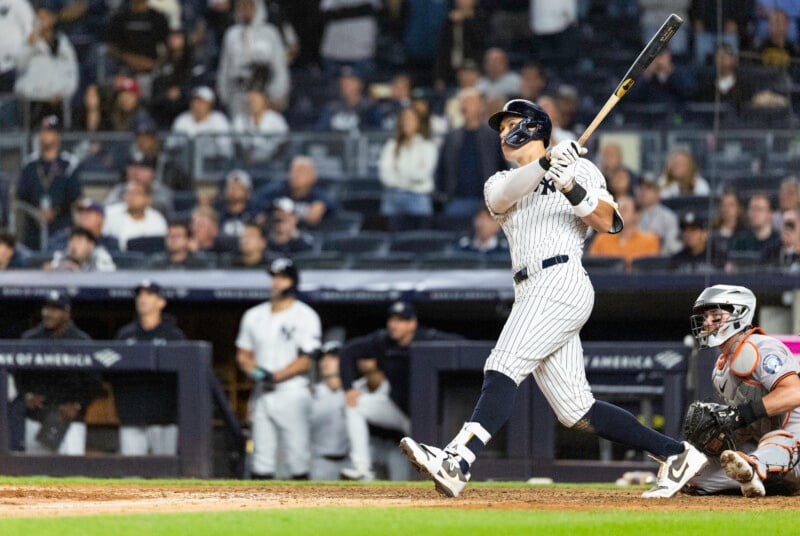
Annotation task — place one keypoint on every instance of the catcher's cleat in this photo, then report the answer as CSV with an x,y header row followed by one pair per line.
x,y
676,471
441,466
739,468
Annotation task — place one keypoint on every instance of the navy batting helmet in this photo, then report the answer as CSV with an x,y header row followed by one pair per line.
x,y
535,124
285,267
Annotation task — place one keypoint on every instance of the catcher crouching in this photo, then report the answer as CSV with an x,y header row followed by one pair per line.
x,y
753,440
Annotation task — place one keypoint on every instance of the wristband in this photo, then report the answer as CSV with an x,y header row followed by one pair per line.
x,y
582,203
751,412
258,374
544,163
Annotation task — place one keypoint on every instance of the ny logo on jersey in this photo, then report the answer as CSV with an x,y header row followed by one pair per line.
x,y
546,186
287,332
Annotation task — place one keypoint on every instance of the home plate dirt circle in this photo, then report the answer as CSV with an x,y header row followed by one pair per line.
x,y
44,500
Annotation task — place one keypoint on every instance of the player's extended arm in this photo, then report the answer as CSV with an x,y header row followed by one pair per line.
x,y
785,396
502,194
246,360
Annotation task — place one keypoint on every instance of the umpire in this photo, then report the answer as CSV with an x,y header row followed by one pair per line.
x,y
147,402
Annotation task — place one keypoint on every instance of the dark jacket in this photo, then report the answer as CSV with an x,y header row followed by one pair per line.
x,y
490,159
147,398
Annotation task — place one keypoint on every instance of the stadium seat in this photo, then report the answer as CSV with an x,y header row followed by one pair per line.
x,y
599,263
341,221
459,224
746,261
184,201
375,243
146,244
391,261
696,203
457,261
422,242
326,260
645,265
366,203
129,260
36,259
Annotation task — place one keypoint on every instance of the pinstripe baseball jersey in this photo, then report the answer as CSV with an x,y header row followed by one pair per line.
x,y
543,224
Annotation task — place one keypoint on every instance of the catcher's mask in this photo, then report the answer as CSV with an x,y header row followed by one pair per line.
x,y
535,124
739,302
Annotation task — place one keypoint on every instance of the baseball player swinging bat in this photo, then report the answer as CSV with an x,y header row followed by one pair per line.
x,y
657,43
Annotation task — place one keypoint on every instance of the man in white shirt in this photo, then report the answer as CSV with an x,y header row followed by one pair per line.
x,y
260,129
134,217
274,348
498,79
203,120
16,23
252,56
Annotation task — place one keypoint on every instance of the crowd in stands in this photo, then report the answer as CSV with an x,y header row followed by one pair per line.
x,y
237,80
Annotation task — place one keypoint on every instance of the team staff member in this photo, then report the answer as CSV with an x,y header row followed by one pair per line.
x,y
545,215
379,397
757,376
56,400
330,444
147,402
274,348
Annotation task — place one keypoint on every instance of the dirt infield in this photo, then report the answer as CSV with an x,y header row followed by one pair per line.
x,y
83,499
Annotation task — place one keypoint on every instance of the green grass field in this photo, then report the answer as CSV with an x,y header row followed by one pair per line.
x,y
758,518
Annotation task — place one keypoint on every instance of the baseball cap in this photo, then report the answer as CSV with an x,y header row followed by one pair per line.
x,y
240,176
128,84
89,204
145,125
150,286
331,347
403,309
82,231
58,299
205,93
693,219
50,122
283,203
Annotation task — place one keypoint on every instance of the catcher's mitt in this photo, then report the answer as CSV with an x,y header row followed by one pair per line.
x,y
710,427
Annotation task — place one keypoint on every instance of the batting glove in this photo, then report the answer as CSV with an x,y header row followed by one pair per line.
x,y
561,174
263,376
566,152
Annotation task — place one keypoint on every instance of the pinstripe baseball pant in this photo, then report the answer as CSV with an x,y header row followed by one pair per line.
x,y
541,337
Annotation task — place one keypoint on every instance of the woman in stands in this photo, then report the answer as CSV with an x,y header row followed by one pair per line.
x,y
406,168
681,176
728,220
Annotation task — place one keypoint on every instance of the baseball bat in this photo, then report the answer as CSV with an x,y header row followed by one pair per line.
x,y
657,43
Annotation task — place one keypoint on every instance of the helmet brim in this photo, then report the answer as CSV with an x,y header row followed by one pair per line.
x,y
497,118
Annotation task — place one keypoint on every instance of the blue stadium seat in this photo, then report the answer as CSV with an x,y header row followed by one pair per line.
x,y
146,244
390,261
341,221
599,263
129,260
422,242
452,261
375,243
652,265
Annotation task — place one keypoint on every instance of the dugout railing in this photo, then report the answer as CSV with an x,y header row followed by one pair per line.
x,y
189,361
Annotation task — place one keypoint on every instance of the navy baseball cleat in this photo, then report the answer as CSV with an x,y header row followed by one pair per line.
x,y
441,466
676,471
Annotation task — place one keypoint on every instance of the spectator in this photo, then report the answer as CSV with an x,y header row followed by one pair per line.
x,y
147,402
629,243
468,155
434,125
729,220
135,216
778,50
205,231
681,177
487,236
656,218
136,37
47,183
653,13
349,35
380,396
274,347
252,248
498,79
664,83
285,239
461,39
736,20
727,81
252,57
553,26
177,255
148,147
388,108
788,198
620,183
329,441
760,237
351,111
467,76
406,167
260,130
533,81
203,120
8,256
127,109
90,215
171,80
82,254
47,68
558,132
15,27
141,169
311,203
235,208
612,160
790,242
698,253
56,400
171,9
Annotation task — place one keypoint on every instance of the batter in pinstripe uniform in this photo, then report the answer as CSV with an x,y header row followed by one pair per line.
x,y
545,207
